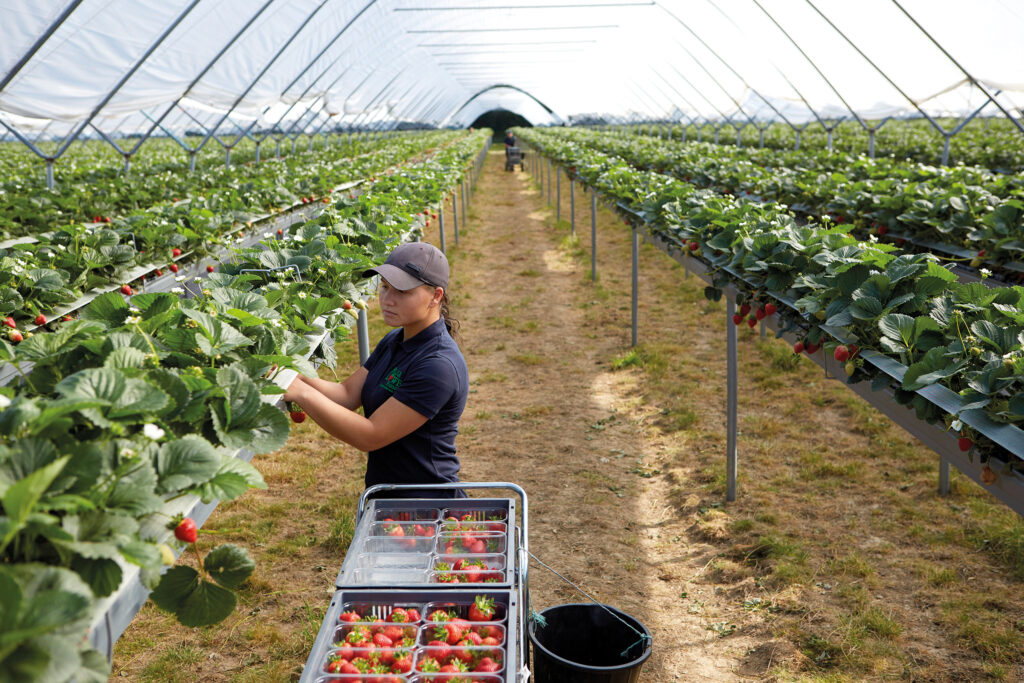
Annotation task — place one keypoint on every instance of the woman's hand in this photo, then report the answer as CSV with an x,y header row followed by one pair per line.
x,y
296,390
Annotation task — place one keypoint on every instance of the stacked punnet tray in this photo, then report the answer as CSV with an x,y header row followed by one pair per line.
x,y
429,592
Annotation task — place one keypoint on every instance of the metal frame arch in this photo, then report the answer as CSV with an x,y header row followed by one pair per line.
x,y
502,85
50,30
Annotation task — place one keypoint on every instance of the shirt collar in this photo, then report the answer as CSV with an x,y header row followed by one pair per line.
x,y
425,335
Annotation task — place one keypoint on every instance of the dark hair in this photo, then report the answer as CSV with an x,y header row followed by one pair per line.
x,y
450,323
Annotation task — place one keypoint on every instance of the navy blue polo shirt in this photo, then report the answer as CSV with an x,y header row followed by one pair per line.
x,y
428,374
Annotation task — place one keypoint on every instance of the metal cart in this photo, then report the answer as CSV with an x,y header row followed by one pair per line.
x,y
394,560
513,157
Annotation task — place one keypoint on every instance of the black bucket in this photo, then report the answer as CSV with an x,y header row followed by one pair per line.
x,y
585,643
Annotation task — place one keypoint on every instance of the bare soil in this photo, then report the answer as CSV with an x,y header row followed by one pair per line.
x,y
838,562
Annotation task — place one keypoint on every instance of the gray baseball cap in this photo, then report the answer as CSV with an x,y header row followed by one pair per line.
x,y
413,264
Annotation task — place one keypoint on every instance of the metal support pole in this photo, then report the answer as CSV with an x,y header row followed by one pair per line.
x,y
549,182
558,195
440,216
636,284
49,174
455,216
943,477
462,198
363,332
732,370
593,235
572,205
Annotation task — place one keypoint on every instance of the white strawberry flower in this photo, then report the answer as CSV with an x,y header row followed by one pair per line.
x,y
177,290
151,431
957,425
985,272
133,320
4,401
134,310
302,295
197,279
179,278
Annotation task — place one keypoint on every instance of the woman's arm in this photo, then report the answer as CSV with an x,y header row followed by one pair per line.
x,y
389,423
348,393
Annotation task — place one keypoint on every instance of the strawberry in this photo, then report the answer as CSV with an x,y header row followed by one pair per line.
x,y
399,615
173,267
280,233
464,654
186,531
345,651
482,609
349,617
9,321
770,308
487,665
439,646
209,269
413,614
490,640
40,319
298,416
15,336
965,443
752,321
347,305
158,272
737,319
454,632
381,640
428,665
694,246
126,290
106,219
175,252
393,633
402,664
394,530
760,314
810,348
841,354
850,368
348,668
744,309
474,637
439,615
66,318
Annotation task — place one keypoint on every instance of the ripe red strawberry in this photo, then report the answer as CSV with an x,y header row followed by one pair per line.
x,y
381,640
15,336
394,633
841,354
770,308
280,233
414,615
40,319
694,246
744,309
428,665
349,617
737,319
487,665
399,615
439,615
482,609
106,219
798,347
394,530
209,269
402,665
490,640
345,651
173,267
760,314
811,348
965,443
126,290
9,321
752,321
298,416
882,229
186,531
158,272
66,318
175,252
454,632
439,647
474,637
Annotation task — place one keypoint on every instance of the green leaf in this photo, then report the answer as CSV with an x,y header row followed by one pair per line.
x,y
141,553
102,384
242,397
930,369
234,478
177,584
139,400
125,357
229,565
186,462
109,308
866,308
102,575
194,602
135,492
20,499
94,669
898,327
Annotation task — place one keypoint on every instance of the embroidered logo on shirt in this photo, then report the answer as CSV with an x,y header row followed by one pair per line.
x,y
392,381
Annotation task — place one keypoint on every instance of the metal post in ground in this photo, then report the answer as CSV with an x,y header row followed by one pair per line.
x,y
572,204
363,332
636,283
462,198
455,216
558,195
440,217
593,235
943,477
549,182
732,371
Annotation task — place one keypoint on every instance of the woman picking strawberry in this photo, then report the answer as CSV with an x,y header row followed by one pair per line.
x,y
412,388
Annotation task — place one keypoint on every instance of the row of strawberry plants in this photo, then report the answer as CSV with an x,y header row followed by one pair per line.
x,y
90,188
835,290
993,143
908,206
61,265
146,398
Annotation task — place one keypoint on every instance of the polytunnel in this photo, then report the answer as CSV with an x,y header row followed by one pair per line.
x,y
511,341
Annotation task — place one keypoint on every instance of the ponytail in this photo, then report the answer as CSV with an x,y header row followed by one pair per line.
x,y
450,323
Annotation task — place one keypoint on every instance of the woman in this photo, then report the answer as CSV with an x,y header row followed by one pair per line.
x,y
412,388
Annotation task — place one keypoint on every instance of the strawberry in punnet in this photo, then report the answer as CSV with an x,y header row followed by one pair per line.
x,y
381,640
482,609
487,665
439,615
474,638
428,665
402,663
40,319
345,651
399,615
841,354
439,646
186,531
454,632
394,530
413,614
457,666
393,633
349,617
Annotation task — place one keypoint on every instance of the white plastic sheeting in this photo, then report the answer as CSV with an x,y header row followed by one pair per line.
x,y
304,64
